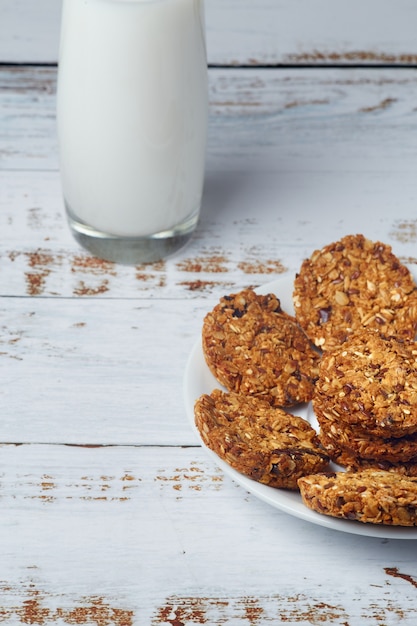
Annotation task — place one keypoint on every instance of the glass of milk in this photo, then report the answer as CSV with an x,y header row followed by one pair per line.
x,y
132,112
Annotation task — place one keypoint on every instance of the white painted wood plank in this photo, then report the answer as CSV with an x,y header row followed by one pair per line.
x,y
344,175
318,31
296,159
270,119
96,354
74,371
249,31
29,31
147,530
28,116
252,229
158,536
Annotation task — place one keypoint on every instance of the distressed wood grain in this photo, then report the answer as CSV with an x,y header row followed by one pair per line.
x,y
288,150
277,119
250,32
252,230
112,514
161,538
74,371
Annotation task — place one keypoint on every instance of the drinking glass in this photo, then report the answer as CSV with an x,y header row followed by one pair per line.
x,y
132,109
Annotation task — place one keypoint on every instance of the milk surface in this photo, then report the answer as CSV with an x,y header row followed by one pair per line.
x,y
132,112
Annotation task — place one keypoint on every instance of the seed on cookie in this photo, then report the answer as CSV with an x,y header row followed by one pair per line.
x,y
351,284
369,382
262,442
253,347
346,458
360,443
368,496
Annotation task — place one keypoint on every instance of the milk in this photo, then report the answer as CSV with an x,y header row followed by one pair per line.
x,y
132,114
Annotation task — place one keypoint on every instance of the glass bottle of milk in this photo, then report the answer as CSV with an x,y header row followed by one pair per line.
x,y
132,111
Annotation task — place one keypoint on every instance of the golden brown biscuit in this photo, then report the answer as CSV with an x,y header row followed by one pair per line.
x,y
347,459
253,347
369,382
350,284
358,442
368,496
262,442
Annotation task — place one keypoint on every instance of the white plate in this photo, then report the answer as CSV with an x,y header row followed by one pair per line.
x,y
198,380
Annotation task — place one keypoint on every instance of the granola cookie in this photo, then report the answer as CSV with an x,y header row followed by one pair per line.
x,y
360,443
253,347
262,442
350,284
351,461
369,382
369,496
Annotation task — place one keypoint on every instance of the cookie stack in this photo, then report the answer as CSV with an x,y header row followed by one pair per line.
x,y
358,302
349,349
266,363
365,401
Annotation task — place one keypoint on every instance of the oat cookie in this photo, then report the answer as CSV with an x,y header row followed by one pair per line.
x,y
358,442
350,284
372,496
253,347
369,382
262,442
351,461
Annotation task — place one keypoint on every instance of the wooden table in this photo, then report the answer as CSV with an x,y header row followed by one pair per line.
x,y
111,512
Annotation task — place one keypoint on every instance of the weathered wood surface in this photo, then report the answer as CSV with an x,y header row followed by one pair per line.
x,y
250,32
277,119
296,158
112,514
127,536
328,151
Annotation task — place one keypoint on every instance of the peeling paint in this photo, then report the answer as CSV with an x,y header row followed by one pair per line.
x,y
50,489
151,280
393,571
353,56
215,263
405,231
94,277
158,266
82,289
380,106
35,608
251,610
193,478
248,610
262,267
41,262
92,265
408,260
94,611
205,285
36,282
302,103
